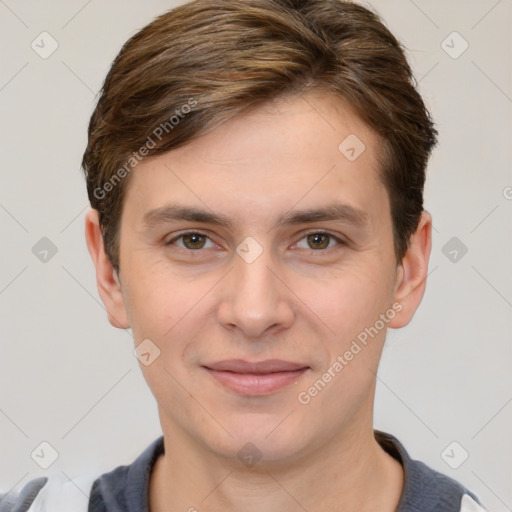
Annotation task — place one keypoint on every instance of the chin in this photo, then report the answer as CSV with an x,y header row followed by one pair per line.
x,y
261,436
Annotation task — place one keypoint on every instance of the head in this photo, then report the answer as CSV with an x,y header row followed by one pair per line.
x,y
225,139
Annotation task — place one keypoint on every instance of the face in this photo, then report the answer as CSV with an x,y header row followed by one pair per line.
x,y
263,242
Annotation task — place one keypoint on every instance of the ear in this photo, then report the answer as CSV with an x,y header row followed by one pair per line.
x,y
412,273
107,280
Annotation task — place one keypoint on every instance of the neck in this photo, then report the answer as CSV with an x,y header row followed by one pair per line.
x,y
350,472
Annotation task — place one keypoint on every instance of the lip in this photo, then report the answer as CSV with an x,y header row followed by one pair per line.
x,y
255,378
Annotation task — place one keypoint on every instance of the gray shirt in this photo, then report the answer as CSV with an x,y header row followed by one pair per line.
x,y
126,488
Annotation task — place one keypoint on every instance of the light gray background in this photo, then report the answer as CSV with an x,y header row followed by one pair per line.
x,y
67,377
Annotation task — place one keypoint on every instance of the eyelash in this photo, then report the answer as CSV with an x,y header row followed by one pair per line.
x,y
339,241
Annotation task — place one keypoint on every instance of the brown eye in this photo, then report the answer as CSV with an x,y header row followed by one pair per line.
x,y
194,241
318,240
191,241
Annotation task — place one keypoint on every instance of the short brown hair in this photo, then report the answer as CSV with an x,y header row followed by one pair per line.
x,y
206,61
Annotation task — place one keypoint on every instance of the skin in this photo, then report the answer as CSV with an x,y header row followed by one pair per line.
x,y
295,302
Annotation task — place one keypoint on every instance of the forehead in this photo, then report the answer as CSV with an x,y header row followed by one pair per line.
x,y
309,126
301,149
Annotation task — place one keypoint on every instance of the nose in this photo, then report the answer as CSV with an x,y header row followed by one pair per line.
x,y
255,299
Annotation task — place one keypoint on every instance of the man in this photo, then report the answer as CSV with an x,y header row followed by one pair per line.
x,y
256,171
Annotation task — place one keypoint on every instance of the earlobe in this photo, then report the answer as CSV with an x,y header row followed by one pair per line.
x,y
107,280
412,272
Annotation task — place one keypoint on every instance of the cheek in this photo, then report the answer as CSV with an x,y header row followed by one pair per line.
x,y
163,310
171,310
155,300
350,299
351,306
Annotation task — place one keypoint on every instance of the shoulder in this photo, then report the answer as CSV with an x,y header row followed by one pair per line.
x,y
127,487
55,493
22,500
124,487
427,490
116,491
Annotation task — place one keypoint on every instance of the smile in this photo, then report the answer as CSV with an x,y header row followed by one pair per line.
x,y
255,379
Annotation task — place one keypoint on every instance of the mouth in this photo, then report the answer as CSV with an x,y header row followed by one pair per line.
x,y
256,379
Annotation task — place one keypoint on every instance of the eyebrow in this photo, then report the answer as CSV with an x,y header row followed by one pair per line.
x,y
336,211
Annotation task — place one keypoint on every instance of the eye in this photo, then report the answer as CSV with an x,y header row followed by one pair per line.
x,y
318,240
192,241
